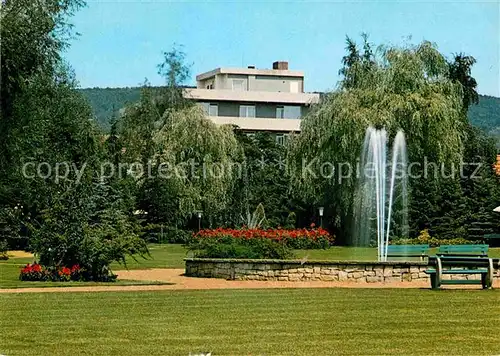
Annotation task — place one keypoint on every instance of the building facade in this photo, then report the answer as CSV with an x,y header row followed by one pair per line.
x,y
254,99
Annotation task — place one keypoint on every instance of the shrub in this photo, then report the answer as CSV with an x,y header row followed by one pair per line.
x,y
228,247
294,238
82,230
426,238
37,272
94,250
3,250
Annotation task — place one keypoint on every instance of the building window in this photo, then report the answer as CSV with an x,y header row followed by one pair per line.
x,y
280,112
213,110
247,111
238,85
210,86
292,112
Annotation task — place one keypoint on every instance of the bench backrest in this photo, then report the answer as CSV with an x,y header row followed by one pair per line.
x,y
492,236
407,250
463,250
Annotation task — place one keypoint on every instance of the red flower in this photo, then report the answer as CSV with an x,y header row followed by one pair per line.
x,y
65,271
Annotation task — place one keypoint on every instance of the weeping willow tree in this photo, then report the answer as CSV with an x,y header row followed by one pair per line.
x,y
405,88
187,161
193,166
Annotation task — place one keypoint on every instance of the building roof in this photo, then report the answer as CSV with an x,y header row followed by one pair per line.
x,y
250,71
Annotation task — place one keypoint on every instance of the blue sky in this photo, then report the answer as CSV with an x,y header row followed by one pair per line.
x,y
121,41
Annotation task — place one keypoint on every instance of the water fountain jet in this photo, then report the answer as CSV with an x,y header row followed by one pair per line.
x,y
382,186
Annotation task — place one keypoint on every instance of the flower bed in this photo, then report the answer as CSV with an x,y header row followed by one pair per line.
x,y
37,272
313,238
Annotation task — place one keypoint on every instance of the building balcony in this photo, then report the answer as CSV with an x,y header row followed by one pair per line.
x,y
259,124
251,96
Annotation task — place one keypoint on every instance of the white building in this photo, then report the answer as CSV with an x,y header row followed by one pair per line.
x,y
254,99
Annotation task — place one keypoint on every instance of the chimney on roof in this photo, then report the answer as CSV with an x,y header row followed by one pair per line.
x,y
280,65
251,67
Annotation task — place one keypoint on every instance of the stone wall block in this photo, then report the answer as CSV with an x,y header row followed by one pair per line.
x,y
388,271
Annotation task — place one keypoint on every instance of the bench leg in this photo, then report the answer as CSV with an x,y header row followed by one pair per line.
x,y
434,283
484,281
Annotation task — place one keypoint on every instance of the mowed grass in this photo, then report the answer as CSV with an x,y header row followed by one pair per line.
x,y
253,322
161,256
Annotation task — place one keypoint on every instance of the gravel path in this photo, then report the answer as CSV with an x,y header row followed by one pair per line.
x,y
180,282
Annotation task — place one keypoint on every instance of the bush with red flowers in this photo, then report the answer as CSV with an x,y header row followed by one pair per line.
x,y
313,238
33,272
37,272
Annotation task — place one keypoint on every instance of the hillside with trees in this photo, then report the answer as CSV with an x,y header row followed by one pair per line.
x,y
106,102
486,115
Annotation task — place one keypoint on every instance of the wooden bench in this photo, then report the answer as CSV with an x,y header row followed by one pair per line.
x,y
463,250
461,259
420,251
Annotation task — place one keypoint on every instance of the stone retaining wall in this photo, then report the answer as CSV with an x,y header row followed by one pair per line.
x,y
280,270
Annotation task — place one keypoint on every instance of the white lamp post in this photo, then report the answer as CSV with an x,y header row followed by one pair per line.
x,y
199,220
321,209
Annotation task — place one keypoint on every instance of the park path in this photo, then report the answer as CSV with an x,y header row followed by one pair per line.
x,y
179,282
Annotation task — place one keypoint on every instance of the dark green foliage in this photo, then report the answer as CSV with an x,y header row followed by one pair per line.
x,y
85,226
265,181
68,219
424,238
357,65
307,244
460,70
463,208
159,233
227,247
3,250
10,228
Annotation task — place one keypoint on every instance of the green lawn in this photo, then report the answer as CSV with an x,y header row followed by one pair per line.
x,y
172,256
162,256
253,322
